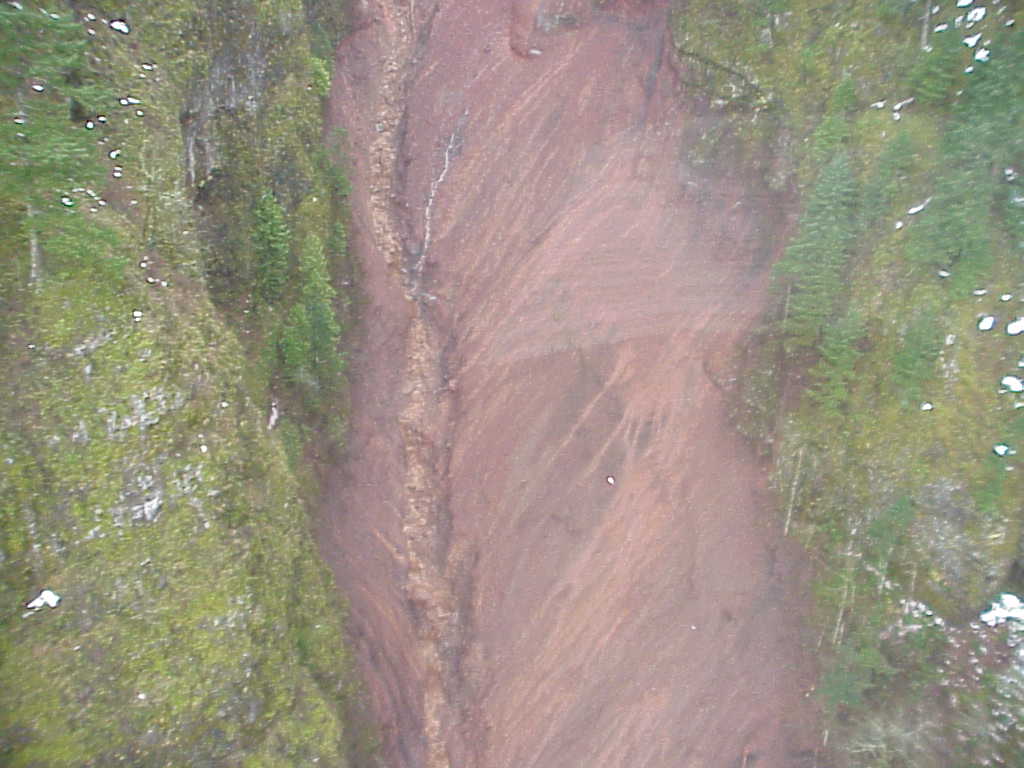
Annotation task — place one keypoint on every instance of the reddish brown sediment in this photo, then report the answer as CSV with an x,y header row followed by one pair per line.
x,y
548,285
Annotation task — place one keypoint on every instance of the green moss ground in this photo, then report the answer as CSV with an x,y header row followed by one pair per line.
x,y
138,480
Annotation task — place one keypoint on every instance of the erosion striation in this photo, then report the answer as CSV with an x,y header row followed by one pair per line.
x,y
557,549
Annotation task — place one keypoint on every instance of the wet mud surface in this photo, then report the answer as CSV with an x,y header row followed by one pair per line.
x,y
552,298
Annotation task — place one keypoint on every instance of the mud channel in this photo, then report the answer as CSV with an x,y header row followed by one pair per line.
x,y
550,289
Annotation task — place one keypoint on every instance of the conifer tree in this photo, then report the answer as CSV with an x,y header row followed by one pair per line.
x,y
318,296
45,155
294,345
813,266
272,242
835,371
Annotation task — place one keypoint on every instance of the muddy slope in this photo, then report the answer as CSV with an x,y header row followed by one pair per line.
x,y
551,296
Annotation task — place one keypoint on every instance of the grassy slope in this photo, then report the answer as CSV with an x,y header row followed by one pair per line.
x,y
895,502
139,481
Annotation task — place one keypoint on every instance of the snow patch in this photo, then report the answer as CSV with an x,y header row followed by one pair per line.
x,y
972,41
918,208
46,597
982,55
1007,608
1012,384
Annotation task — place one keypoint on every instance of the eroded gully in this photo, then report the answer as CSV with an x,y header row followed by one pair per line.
x,y
547,284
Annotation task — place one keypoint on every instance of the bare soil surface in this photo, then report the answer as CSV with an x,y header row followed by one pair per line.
x,y
552,299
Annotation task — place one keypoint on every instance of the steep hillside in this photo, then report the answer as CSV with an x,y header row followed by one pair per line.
x,y
885,384
166,202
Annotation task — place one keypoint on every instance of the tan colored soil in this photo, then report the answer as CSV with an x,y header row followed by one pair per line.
x,y
580,287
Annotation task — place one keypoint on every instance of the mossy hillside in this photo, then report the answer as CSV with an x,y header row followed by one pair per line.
x,y
197,624
769,67
897,503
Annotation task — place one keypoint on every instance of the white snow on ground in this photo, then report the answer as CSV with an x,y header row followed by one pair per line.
x,y
986,322
45,597
1012,384
975,15
919,207
1007,608
982,55
972,41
